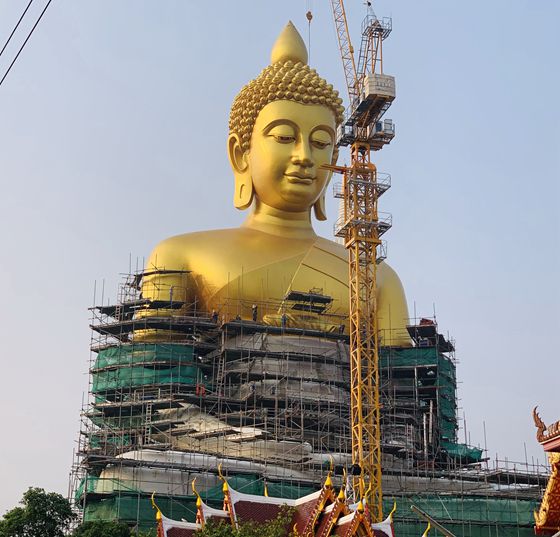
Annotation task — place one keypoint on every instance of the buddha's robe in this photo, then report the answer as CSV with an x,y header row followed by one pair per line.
x,y
231,270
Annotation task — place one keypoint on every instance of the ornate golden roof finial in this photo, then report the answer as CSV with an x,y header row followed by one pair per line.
x,y
328,480
289,46
341,496
198,498
427,530
360,507
154,506
539,424
393,510
225,487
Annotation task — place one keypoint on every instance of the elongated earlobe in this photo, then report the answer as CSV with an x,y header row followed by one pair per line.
x,y
319,208
243,194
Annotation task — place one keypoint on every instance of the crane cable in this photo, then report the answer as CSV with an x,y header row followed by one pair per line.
x,y
15,27
309,17
26,40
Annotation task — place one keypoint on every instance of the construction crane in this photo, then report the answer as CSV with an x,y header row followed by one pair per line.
x,y
370,92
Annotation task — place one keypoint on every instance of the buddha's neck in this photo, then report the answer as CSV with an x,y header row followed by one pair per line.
x,y
281,223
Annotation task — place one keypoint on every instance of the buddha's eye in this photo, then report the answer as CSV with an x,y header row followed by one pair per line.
x,y
320,138
320,144
284,138
282,134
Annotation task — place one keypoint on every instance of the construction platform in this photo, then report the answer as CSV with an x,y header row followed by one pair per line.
x,y
271,405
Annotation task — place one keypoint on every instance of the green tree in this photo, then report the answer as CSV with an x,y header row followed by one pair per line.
x,y
102,528
44,514
145,533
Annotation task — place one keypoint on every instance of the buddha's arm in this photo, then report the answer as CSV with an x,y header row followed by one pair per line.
x,y
392,308
166,275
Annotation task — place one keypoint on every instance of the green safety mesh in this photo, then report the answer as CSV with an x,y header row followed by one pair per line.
x,y
131,377
101,439
144,353
137,509
129,366
129,505
447,399
394,357
103,485
461,451
466,516
249,484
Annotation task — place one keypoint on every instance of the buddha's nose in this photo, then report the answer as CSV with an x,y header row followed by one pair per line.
x,y
302,155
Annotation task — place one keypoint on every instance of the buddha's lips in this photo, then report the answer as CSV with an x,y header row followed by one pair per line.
x,y
300,178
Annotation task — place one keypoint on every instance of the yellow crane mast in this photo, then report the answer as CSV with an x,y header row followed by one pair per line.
x,y
361,226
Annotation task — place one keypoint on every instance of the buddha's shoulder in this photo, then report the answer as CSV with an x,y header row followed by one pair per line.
x,y
333,248
179,249
190,250
385,273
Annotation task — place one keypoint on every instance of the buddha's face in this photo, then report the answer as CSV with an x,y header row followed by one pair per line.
x,y
289,145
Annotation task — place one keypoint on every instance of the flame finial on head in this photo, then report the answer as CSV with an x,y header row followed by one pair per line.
x,y
289,46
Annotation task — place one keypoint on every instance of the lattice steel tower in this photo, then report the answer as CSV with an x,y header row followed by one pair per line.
x,y
371,92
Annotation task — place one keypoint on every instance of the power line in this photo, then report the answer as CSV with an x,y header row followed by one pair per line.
x,y
26,40
16,27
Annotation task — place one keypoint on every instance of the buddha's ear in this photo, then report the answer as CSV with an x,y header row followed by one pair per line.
x,y
239,160
319,207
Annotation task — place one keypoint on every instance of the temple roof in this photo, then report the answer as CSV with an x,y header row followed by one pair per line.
x,y
174,528
547,518
319,514
548,437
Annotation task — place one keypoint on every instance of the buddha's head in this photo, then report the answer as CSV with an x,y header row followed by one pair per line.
x,y
282,131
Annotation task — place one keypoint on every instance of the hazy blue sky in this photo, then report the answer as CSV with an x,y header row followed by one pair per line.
x,y
112,137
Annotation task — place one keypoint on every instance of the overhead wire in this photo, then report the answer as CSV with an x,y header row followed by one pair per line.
x,y
16,27
25,42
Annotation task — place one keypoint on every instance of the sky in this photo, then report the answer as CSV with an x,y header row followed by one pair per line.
x,y
113,125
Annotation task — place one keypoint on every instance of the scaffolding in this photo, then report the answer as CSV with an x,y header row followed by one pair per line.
x,y
175,392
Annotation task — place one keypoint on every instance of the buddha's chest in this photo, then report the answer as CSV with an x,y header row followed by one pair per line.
x,y
267,280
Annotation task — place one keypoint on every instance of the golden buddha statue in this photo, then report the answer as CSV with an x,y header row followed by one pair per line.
x,y
282,131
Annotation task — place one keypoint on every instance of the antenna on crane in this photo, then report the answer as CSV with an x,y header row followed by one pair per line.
x,y
360,226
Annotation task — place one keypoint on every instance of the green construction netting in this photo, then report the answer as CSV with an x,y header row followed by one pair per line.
x,y
137,509
254,485
462,451
127,372
129,505
142,353
466,516
119,440
249,484
447,399
447,408
130,377
389,356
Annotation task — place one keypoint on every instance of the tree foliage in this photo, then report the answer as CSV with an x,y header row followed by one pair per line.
x,y
43,514
278,527
145,533
102,529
